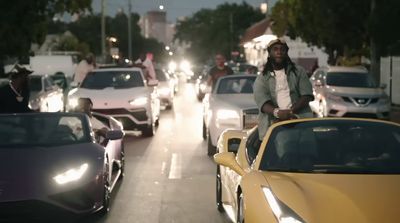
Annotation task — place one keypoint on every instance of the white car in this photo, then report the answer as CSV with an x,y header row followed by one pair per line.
x,y
166,88
230,105
122,93
45,95
348,92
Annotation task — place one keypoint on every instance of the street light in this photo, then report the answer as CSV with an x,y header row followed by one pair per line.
x,y
167,48
112,39
171,53
161,7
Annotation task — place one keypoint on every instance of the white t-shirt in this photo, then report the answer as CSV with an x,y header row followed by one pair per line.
x,y
82,70
282,90
151,73
96,124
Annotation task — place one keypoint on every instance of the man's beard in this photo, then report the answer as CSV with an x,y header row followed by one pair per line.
x,y
279,65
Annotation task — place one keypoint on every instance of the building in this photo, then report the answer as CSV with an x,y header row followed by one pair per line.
x,y
257,37
154,25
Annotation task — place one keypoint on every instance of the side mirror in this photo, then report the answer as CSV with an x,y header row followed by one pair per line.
x,y
114,134
227,159
383,86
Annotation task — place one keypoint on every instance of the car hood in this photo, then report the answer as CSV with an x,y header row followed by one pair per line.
x,y
110,97
27,172
238,101
356,92
338,197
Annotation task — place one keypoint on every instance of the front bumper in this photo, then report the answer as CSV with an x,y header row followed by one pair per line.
x,y
346,109
130,119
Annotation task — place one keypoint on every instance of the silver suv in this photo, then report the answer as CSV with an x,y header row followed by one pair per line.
x,y
348,92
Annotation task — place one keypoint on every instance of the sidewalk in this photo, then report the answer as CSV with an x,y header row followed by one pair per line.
x,y
395,114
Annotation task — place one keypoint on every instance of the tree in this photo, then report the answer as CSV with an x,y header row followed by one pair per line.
x,y
209,31
24,22
345,29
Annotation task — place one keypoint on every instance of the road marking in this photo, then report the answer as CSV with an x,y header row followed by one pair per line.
x,y
163,167
175,171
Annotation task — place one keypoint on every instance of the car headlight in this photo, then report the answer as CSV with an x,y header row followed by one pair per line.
x,y
227,117
73,103
334,98
282,212
164,91
139,101
71,175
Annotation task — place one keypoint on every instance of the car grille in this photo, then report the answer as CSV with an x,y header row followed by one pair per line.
x,y
360,115
139,115
361,101
250,118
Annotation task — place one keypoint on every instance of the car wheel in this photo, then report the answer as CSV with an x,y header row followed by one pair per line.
x,y
240,211
204,131
219,190
211,150
150,130
106,192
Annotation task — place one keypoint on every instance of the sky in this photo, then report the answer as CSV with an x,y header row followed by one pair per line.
x,y
174,8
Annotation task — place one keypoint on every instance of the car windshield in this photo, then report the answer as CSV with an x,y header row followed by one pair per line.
x,y
42,130
360,80
161,75
113,79
35,83
236,85
332,146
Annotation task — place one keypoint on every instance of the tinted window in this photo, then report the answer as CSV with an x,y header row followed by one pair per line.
x,y
54,130
237,85
35,83
334,147
362,80
114,79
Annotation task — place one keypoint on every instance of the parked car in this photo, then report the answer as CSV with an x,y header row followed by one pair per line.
x,y
59,169
123,93
230,105
348,92
311,170
166,88
45,95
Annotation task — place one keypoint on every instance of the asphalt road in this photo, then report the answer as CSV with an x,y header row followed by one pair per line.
x,y
169,177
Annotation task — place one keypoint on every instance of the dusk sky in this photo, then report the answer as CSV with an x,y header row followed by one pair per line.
x,y
174,8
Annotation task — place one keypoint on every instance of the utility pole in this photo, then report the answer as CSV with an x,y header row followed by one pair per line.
x,y
103,31
231,32
129,30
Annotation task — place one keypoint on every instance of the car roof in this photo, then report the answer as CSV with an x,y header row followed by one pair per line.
x,y
355,69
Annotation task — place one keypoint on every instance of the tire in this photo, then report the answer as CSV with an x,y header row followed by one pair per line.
x,y
204,131
211,150
106,192
150,130
240,213
218,190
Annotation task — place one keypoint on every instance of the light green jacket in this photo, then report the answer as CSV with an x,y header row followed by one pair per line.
x,y
264,91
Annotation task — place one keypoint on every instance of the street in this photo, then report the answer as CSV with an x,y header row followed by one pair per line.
x,y
169,177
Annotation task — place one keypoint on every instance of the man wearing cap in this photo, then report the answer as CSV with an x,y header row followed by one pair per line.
x,y
283,90
14,97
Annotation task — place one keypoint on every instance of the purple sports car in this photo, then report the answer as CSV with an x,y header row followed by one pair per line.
x,y
50,162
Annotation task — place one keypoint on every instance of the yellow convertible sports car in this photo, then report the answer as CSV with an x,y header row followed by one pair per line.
x,y
311,170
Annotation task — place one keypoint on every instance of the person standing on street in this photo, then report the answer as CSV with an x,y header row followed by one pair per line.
x,y
84,67
14,97
219,70
283,90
